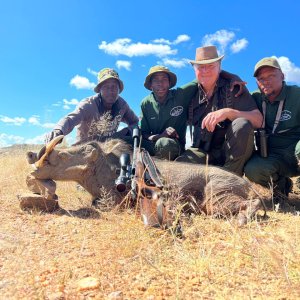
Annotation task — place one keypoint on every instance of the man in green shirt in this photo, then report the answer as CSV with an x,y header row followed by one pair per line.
x,y
280,105
164,112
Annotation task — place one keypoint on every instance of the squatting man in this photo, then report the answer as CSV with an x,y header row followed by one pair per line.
x,y
98,117
280,106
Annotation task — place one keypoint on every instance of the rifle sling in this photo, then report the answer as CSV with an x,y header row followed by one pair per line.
x,y
151,168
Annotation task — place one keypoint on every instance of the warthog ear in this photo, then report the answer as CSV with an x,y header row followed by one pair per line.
x,y
31,157
64,155
91,152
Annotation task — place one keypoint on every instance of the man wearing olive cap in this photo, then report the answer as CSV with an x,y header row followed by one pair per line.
x,y
280,105
98,117
164,113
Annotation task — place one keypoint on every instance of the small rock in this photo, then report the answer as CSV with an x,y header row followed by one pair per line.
x,y
117,295
56,296
88,283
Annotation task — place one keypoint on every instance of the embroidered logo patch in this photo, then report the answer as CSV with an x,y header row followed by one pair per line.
x,y
285,115
176,111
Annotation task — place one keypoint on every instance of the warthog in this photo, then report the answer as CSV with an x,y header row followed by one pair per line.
x,y
93,165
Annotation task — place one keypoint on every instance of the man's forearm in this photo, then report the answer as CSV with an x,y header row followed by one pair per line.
x,y
254,116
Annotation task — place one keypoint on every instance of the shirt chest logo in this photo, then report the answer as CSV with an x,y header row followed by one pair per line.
x,y
285,115
176,111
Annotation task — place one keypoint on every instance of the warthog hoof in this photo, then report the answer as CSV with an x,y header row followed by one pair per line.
x,y
245,216
38,202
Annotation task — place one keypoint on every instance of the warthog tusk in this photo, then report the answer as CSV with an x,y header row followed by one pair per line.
x,y
49,148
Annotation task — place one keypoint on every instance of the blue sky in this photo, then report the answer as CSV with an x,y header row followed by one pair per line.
x,y
50,51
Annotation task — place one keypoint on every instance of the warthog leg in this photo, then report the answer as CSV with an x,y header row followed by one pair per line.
x,y
44,187
42,198
37,202
245,216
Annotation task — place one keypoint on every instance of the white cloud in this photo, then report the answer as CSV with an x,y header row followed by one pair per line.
x,y
18,121
48,125
239,45
34,120
8,140
290,70
95,73
125,46
40,139
68,103
71,102
162,41
123,64
221,37
175,63
81,82
180,39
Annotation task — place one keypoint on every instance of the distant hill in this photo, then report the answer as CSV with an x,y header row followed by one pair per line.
x,y
20,148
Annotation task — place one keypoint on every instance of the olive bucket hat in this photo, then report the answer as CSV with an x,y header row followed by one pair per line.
x,y
157,69
206,55
266,62
105,74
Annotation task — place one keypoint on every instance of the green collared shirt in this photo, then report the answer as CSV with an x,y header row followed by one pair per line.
x,y
288,130
156,117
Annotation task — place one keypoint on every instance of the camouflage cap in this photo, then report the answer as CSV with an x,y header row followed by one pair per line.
x,y
105,74
266,62
157,69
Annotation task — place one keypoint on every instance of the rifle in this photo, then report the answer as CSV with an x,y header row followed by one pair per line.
x,y
143,179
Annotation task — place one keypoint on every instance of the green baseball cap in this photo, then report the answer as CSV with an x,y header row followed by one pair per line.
x,y
157,69
266,62
105,74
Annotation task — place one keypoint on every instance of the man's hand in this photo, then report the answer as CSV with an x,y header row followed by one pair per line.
x,y
213,118
121,133
171,133
51,135
242,87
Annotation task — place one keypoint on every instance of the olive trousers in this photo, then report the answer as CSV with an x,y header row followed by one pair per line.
x,y
237,148
274,170
165,148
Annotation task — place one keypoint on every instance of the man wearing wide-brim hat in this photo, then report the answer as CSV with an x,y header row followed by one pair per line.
x,y
164,112
223,124
280,106
98,117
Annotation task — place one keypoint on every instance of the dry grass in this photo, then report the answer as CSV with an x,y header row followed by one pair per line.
x,y
43,256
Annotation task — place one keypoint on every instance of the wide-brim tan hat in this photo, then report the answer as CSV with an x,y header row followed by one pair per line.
x,y
266,62
206,55
105,74
158,69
